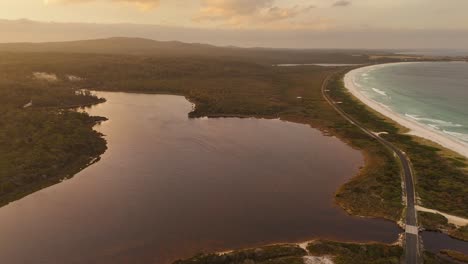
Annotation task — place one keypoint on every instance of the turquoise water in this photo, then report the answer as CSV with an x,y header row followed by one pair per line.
x,y
432,93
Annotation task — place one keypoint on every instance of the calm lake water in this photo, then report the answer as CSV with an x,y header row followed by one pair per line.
x,y
170,187
435,241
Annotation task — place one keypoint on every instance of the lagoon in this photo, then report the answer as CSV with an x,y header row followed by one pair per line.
x,y
169,187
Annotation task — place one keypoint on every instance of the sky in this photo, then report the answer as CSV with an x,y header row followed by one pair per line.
x,y
276,17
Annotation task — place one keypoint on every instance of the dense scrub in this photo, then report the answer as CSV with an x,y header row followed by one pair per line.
x,y
431,258
376,191
441,182
43,143
276,254
456,255
344,253
175,49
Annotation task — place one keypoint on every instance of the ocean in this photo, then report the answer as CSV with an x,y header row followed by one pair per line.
x,y
434,94
438,52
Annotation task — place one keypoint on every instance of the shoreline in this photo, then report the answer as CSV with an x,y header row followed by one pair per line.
x,y
415,128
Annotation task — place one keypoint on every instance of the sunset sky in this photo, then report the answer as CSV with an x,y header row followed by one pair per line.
x,y
282,16
275,14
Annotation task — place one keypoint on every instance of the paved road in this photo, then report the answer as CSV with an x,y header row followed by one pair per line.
x,y
411,232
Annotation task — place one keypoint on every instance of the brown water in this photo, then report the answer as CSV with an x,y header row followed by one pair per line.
x,y
435,242
170,187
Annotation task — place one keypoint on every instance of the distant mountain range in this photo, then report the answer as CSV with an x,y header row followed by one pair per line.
x,y
25,30
120,45
174,49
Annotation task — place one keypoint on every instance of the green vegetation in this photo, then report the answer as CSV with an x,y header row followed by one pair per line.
x,y
460,233
356,253
376,191
441,182
455,255
431,258
43,143
275,254
175,49
432,221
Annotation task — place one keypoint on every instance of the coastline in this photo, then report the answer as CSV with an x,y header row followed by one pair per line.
x,y
415,128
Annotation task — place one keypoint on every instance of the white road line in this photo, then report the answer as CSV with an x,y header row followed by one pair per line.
x,y
412,229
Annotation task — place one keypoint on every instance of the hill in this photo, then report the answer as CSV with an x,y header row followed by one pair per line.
x,y
147,47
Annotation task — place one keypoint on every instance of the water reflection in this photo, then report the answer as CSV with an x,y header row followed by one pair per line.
x,y
435,241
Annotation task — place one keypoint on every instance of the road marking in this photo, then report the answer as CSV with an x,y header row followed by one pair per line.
x,y
412,229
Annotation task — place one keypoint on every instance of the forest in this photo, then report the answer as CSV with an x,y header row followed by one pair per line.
x,y
42,140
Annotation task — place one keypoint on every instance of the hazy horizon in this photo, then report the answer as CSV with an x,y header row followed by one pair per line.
x,y
352,24
26,30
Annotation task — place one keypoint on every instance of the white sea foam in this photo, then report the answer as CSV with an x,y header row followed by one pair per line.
x,y
435,122
356,84
433,126
419,126
379,91
316,64
460,136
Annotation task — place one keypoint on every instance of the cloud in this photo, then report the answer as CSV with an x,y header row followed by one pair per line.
x,y
342,3
277,13
142,4
229,9
248,13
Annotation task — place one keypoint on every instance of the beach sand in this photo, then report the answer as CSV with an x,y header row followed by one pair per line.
x,y
415,128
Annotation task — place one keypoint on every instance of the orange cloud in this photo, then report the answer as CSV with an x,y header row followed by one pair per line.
x,y
253,14
142,4
229,9
278,13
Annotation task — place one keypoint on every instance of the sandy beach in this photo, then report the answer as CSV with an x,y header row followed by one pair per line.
x,y
415,128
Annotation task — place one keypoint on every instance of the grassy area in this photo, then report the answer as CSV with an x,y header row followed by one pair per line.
x,y
460,233
432,221
458,256
376,191
431,258
275,254
344,253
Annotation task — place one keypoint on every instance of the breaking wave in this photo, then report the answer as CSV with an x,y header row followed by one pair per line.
x,y
440,125
461,136
433,122
379,91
